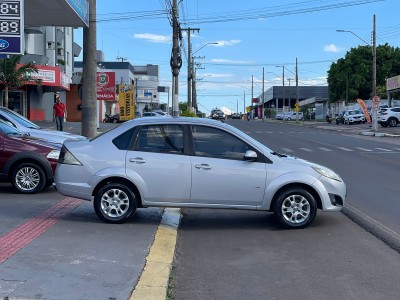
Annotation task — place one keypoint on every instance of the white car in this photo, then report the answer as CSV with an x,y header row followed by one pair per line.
x,y
353,116
292,115
389,116
196,163
29,128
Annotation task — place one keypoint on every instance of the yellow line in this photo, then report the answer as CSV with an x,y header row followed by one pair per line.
x,y
153,283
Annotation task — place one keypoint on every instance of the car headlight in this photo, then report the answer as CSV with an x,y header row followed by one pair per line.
x,y
53,154
328,173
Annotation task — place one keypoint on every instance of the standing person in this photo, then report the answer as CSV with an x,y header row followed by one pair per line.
x,y
59,113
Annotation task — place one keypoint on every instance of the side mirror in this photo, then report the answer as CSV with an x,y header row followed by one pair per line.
x,y
250,155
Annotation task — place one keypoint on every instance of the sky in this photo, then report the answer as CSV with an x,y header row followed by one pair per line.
x,y
236,40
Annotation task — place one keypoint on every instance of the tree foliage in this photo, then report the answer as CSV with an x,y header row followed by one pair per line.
x,y
354,72
13,76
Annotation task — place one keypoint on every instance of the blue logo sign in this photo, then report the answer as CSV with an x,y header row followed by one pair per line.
x,y
4,44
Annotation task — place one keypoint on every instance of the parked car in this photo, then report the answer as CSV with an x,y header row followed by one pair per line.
x,y
280,116
292,115
26,162
197,163
154,114
350,117
25,126
389,116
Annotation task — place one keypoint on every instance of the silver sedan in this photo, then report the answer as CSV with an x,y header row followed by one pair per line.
x,y
193,162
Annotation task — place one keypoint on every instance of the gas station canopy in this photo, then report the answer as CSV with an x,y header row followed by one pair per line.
x,y
69,13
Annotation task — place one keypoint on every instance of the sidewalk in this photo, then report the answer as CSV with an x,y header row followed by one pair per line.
x,y
358,129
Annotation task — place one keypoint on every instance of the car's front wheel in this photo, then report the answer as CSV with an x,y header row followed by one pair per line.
x,y
28,178
295,208
392,122
383,124
115,203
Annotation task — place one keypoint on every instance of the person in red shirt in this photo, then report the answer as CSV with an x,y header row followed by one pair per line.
x,y
59,113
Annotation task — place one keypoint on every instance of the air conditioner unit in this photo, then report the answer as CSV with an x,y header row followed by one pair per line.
x,y
50,45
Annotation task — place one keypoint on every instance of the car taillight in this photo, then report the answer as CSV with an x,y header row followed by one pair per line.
x,y
67,158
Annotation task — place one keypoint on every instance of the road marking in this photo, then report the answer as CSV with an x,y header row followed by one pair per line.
x,y
306,149
383,149
325,149
287,150
153,282
397,149
345,149
363,149
24,234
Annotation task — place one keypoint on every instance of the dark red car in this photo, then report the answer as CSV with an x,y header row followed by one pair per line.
x,y
28,163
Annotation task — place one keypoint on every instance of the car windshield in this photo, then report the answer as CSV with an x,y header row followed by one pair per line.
x,y
20,119
354,112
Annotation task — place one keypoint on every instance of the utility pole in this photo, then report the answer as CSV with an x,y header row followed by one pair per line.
x,y
194,92
89,95
297,91
176,60
244,104
252,87
263,99
122,59
374,112
190,69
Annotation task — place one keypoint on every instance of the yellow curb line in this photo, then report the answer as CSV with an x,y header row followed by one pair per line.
x,y
153,282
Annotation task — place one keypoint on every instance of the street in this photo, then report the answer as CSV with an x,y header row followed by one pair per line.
x,y
237,255
220,254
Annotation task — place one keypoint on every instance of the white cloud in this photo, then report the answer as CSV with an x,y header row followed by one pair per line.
x,y
230,61
226,43
153,38
332,48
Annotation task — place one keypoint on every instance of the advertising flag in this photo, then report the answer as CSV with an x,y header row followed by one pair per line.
x,y
364,110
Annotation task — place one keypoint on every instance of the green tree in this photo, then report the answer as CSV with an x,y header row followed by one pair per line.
x,y
12,76
353,73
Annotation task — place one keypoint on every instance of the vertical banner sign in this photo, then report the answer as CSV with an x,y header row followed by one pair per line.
x,y
11,27
125,101
105,85
364,109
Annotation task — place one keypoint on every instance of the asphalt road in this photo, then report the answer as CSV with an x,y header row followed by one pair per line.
x,y
64,252
246,255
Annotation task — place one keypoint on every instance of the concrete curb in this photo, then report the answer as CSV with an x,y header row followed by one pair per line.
x,y
153,282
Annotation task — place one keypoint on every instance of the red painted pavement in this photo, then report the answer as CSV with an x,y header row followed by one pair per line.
x,y
21,236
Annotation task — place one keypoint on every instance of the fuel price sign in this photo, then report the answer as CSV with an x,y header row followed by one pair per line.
x,y
11,26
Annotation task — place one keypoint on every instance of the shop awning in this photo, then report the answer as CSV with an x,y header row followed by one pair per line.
x,y
69,13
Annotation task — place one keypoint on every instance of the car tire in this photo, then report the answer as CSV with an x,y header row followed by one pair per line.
x,y
28,178
295,208
115,121
392,122
115,203
384,124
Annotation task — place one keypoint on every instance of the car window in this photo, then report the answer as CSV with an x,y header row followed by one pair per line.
x,y
123,141
216,143
160,139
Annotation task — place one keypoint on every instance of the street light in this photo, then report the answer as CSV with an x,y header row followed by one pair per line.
x,y
374,115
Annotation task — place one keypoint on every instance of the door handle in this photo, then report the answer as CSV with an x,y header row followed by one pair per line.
x,y
137,160
203,166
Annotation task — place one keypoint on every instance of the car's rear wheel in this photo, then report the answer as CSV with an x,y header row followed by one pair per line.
x,y
115,203
295,208
28,178
392,122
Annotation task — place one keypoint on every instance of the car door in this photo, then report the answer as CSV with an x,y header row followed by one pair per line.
x,y
159,161
220,175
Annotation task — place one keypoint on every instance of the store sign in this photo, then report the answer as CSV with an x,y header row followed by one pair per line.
x,y
105,86
49,76
393,83
11,27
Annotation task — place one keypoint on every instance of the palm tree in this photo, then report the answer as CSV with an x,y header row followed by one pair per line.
x,y
12,76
